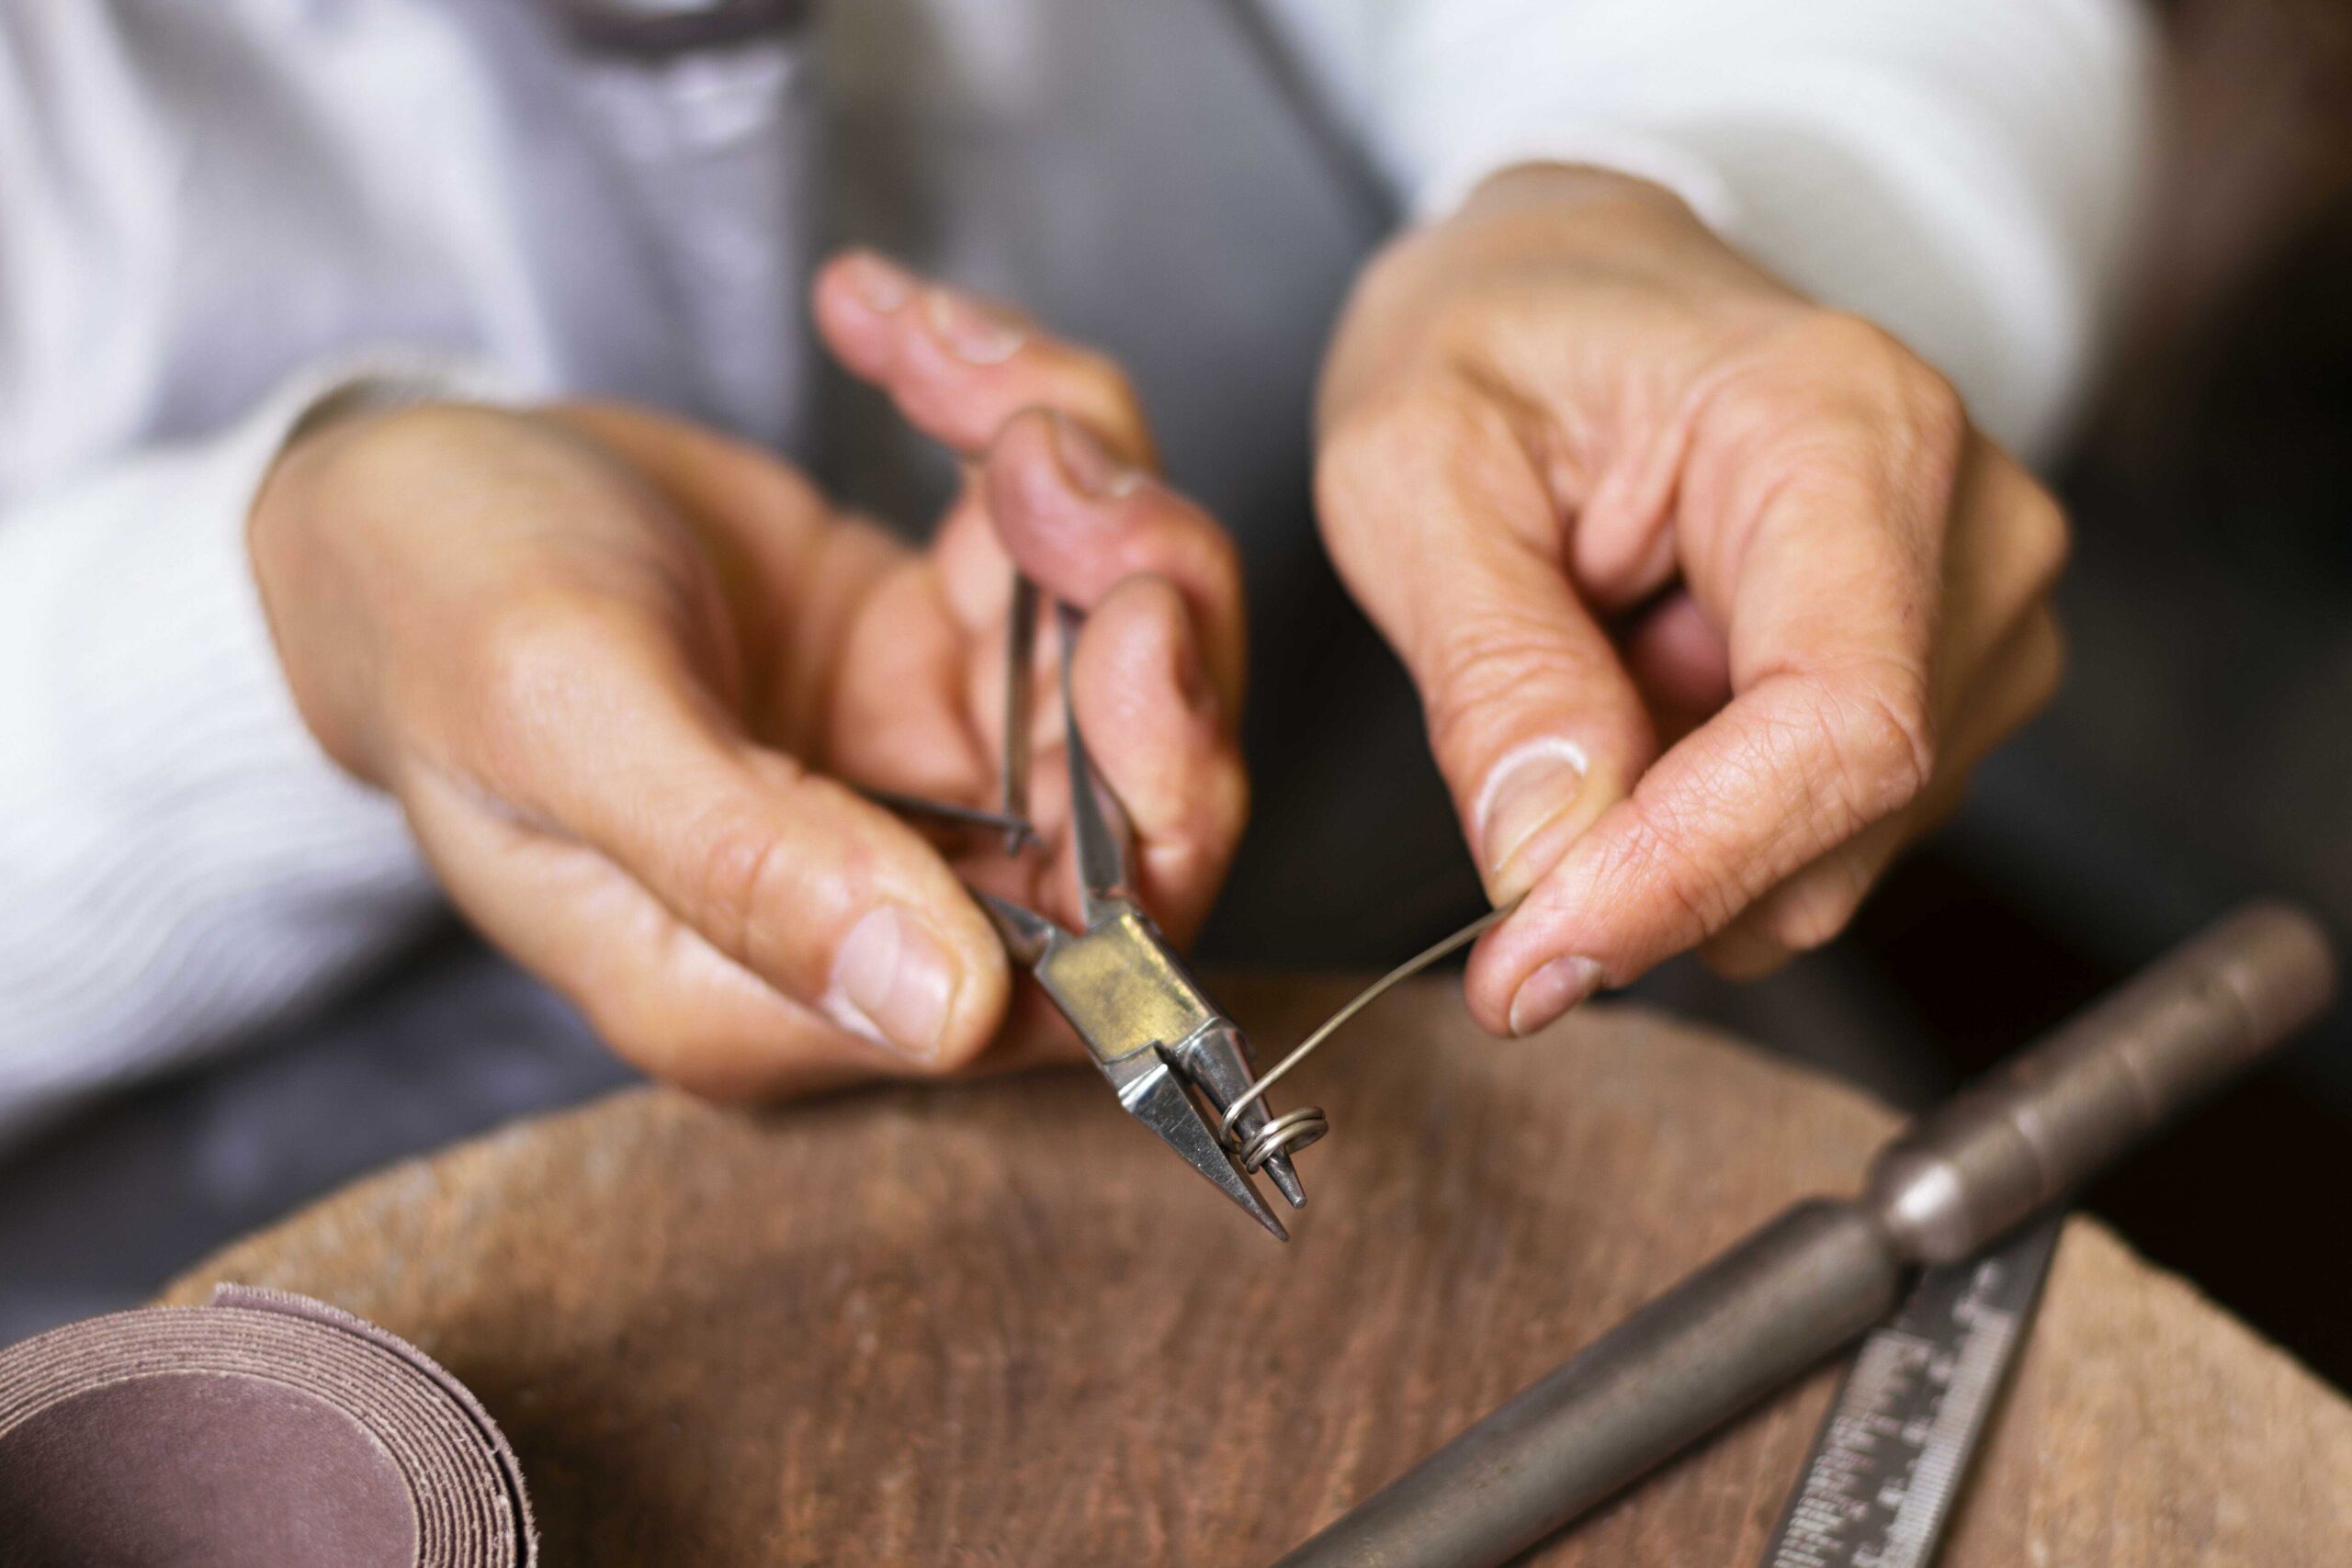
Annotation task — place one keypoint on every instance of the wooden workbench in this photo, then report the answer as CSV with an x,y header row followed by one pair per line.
x,y
997,1322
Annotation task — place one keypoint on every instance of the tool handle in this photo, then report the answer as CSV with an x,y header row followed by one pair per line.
x,y
2034,1129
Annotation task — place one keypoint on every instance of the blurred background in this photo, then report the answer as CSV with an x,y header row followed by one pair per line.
x,y
2200,752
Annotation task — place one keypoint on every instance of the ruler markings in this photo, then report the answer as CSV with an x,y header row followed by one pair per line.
x,y
1895,1446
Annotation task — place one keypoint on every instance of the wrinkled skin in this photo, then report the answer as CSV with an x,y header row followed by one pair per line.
x,y
1714,597
621,674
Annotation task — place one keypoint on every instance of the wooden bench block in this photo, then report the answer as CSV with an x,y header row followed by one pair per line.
x,y
998,1322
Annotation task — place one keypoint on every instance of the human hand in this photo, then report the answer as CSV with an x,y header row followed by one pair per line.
x,y
1712,596
622,674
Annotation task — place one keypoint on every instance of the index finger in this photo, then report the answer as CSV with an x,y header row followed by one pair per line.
x,y
1830,600
959,366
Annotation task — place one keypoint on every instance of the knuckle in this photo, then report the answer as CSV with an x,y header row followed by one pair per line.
x,y
1472,664
1926,399
1838,463
738,864
1840,399
1401,444
1655,855
1868,357
402,439
1482,674
1462,329
1880,733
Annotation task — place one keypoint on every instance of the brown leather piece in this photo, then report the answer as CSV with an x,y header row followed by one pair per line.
x,y
263,1427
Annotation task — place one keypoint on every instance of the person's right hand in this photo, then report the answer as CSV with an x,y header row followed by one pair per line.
x,y
622,674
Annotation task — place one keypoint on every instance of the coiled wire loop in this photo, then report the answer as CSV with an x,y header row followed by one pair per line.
x,y
1295,1130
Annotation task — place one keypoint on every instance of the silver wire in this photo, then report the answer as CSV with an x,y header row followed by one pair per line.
x,y
1363,998
1286,1133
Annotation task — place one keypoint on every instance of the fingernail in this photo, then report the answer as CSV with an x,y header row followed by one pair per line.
x,y
893,982
881,284
1090,470
1550,991
972,333
1528,790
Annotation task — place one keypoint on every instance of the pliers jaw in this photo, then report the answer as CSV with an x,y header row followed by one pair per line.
x,y
1178,1064
1153,1033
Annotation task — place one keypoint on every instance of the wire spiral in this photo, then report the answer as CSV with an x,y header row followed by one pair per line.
x,y
1284,1134
1295,1130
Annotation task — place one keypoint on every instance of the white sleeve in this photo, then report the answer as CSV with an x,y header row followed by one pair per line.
x,y
179,860
1966,175
196,203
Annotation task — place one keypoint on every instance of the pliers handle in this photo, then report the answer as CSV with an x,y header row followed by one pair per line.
x,y
1167,1049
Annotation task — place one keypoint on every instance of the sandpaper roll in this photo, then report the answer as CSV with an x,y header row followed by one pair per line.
x,y
260,1428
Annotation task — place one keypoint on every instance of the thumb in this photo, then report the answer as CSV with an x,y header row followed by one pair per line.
x,y
1444,531
611,741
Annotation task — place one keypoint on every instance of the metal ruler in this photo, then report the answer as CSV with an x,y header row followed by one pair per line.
x,y
1898,1439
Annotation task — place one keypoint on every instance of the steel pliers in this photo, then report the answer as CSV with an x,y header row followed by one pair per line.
x,y
1175,1060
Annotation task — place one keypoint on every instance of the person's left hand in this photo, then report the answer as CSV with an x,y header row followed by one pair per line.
x,y
1713,595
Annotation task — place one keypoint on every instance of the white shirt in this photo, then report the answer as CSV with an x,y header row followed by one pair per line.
x,y
211,211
